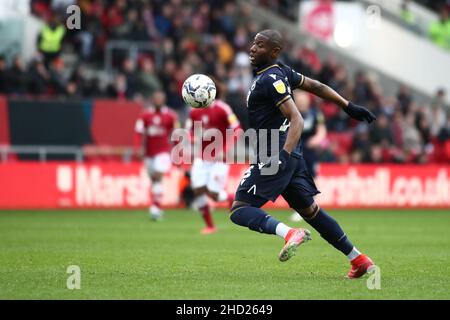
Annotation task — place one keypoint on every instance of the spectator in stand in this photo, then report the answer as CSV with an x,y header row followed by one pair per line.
x,y
439,31
38,77
444,133
149,21
227,19
86,37
412,141
362,89
380,133
130,72
57,82
163,20
424,126
328,70
241,39
388,106
225,51
374,154
114,16
17,77
119,88
439,101
406,14
361,143
88,87
405,98
148,81
126,30
396,125
73,92
3,75
307,61
166,75
314,129
50,39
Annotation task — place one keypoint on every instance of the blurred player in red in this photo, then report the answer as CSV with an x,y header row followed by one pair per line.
x,y
209,171
153,130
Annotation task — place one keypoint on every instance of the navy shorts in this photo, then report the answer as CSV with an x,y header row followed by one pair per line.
x,y
294,183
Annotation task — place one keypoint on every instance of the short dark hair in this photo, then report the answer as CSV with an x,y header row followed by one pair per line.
x,y
275,38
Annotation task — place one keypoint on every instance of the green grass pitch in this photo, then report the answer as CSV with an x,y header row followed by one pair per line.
x,y
123,255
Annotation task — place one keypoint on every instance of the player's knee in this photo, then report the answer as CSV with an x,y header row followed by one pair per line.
x,y
309,212
245,215
244,218
236,206
234,213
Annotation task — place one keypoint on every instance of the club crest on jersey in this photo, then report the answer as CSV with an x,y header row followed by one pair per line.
x,y
279,86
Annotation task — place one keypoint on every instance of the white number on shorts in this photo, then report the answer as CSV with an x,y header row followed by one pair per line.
x,y
246,174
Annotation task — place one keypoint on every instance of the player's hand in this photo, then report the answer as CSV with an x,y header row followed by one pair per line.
x,y
279,161
359,113
284,157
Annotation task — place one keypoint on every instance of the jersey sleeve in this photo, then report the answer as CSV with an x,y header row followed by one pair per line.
x,y
277,89
296,79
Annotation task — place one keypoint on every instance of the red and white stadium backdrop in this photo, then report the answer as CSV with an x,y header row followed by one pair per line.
x,y
115,185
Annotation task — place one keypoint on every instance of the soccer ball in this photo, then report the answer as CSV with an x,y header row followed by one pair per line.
x,y
199,91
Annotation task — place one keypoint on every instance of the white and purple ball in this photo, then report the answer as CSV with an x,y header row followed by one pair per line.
x,y
198,91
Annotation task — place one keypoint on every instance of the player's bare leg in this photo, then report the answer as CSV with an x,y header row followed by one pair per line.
x,y
221,196
200,204
155,211
330,230
256,219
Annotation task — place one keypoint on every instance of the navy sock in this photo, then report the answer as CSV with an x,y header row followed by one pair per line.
x,y
255,219
330,230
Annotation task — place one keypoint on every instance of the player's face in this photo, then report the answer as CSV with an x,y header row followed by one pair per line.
x,y
159,99
261,51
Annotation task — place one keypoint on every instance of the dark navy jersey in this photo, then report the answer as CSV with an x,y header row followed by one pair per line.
x,y
271,87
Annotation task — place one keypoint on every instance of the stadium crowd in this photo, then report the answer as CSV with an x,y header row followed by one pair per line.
x,y
212,37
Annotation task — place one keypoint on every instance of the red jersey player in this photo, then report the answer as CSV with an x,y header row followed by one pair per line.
x,y
209,172
153,130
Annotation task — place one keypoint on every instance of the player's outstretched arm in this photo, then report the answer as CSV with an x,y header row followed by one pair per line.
x,y
290,111
325,92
